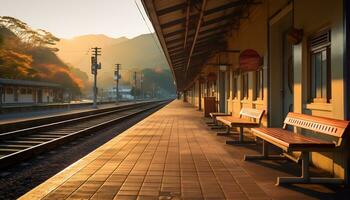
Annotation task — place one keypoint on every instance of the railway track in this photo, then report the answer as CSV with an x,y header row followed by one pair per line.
x,y
21,144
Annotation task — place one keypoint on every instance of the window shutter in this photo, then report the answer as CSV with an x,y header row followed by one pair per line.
x,y
320,40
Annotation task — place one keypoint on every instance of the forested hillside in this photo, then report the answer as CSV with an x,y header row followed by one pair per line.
x,y
139,54
29,54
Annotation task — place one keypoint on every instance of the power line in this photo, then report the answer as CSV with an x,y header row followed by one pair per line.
x,y
144,19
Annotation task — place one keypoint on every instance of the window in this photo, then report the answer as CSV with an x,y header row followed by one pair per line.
x,y
320,69
228,77
245,85
9,91
203,92
234,85
259,84
29,91
23,91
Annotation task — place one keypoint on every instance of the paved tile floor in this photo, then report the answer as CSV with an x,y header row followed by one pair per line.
x,y
171,155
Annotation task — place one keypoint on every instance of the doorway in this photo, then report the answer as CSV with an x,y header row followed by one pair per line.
x,y
281,67
40,96
288,79
15,95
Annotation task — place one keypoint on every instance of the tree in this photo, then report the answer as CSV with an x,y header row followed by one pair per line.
x,y
29,36
26,54
15,65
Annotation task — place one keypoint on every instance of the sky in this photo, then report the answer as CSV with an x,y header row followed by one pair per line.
x,y
70,18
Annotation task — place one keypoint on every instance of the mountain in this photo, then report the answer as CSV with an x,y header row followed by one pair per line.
x,y
133,54
31,54
20,60
75,50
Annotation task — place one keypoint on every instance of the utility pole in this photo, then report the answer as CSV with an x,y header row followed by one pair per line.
x,y
141,86
135,86
117,77
96,51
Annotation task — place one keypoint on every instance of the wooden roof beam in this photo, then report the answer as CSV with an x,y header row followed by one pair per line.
x,y
211,32
171,9
204,4
207,12
202,32
221,18
187,22
225,6
180,31
177,21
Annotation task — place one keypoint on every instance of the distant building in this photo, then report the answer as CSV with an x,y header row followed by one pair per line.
x,y
31,92
124,92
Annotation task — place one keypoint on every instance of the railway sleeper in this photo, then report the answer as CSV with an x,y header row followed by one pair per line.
x,y
22,142
29,138
4,150
52,136
14,146
55,133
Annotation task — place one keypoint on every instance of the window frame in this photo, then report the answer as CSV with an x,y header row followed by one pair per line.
x,y
259,84
234,86
9,90
245,85
23,91
325,87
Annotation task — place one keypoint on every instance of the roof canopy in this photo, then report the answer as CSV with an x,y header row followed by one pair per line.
x,y
4,81
190,31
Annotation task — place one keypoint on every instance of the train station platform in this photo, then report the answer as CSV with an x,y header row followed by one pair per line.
x,y
172,154
19,116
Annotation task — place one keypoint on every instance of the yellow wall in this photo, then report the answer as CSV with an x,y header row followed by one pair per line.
x,y
325,14
253,34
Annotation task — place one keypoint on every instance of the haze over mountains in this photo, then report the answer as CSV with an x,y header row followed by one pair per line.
x,y
136,53
31,54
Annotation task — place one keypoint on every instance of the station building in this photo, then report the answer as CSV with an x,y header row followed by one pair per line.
x,y
278,55
29,92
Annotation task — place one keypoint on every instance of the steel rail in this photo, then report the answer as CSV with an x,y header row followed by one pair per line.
x,y
35,140
12,126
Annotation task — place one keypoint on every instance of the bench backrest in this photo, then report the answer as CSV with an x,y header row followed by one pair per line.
x,y
328,126
252,113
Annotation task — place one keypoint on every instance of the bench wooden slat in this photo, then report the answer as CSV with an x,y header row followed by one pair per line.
x,y
251,112
230,121
333,127
216,114
288,140
249,118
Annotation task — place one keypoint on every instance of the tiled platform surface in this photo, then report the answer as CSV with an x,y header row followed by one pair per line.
x,y
171,155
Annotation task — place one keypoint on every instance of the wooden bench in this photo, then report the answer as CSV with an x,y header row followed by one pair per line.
x,y
290,141
214,124
248,118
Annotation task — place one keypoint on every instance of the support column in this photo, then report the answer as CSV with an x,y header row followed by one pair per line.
x,y
1,95
346,23
199,94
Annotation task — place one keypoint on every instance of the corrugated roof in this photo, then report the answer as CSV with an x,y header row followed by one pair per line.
x,y
190,31
4,81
